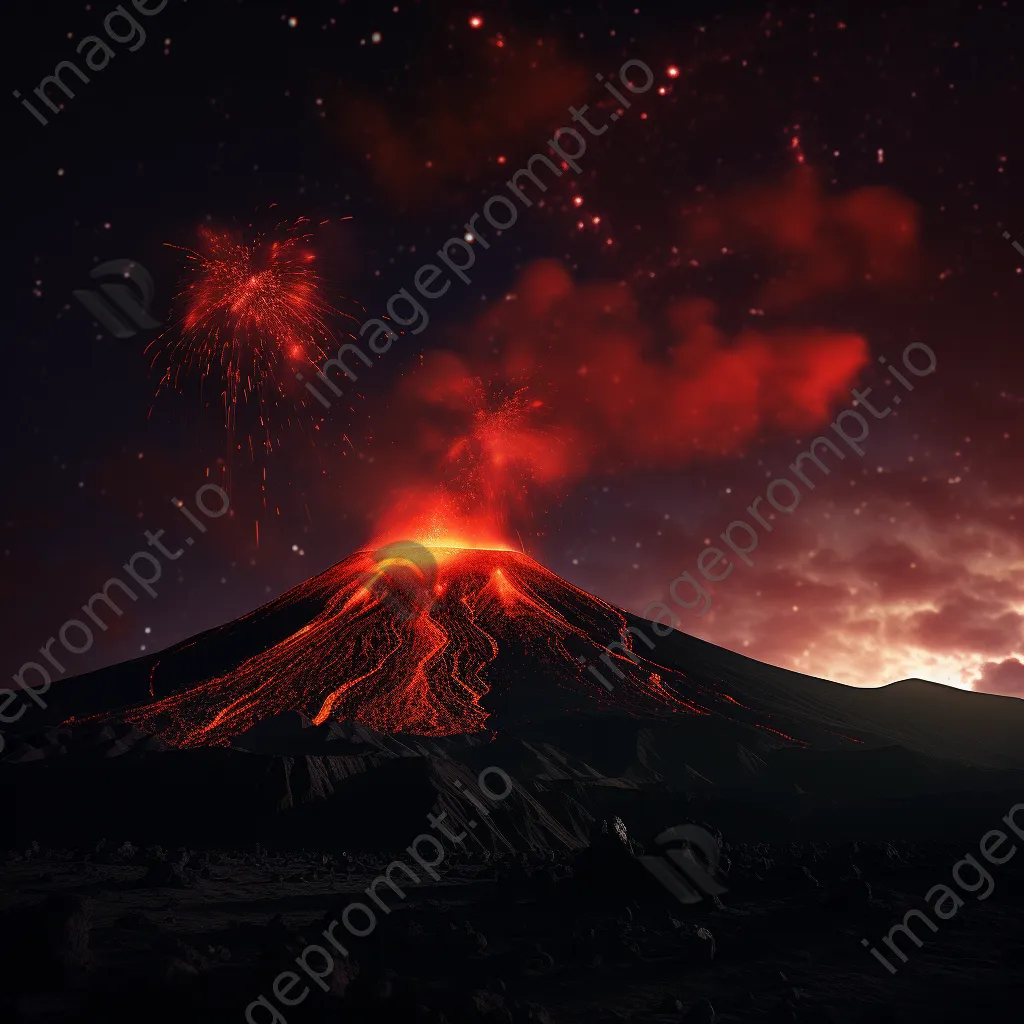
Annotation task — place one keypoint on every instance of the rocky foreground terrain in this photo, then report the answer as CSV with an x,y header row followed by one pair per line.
x,y
114,932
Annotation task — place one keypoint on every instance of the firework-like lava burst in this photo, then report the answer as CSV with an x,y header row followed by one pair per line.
x,y
502,451
252,307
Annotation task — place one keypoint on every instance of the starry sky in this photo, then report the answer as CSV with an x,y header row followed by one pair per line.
x,y
803,190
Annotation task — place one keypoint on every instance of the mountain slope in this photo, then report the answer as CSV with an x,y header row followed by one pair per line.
x,y
489,641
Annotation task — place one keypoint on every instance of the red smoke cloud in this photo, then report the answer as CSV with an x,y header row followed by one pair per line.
x,y
826,243
609,383
599,385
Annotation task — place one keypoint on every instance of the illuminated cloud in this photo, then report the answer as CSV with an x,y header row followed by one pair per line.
x,y
821,244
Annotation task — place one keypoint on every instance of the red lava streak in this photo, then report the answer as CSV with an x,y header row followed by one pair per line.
x,y
497,631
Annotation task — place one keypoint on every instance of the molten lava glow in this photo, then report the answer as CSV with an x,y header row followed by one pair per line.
x,y
487,462
442,520
495,637
450,546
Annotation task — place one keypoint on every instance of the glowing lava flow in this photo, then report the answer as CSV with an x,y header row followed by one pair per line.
x,y
500,637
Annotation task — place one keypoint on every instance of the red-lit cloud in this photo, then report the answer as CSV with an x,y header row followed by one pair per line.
x,y
822,244
656,392
892,568
1002,677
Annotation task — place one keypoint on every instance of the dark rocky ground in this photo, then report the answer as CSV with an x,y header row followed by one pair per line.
x,y
117,933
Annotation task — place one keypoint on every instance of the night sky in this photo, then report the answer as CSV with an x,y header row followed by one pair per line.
x,y
803,190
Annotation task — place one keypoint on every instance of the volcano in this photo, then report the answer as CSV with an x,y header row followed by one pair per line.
x,y
430,642
447,641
